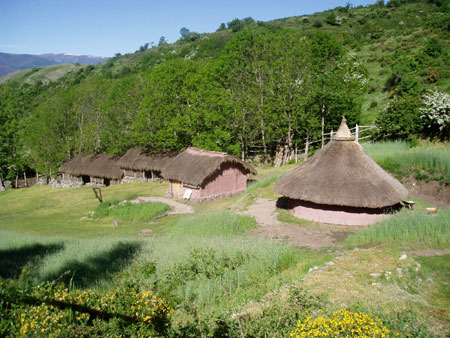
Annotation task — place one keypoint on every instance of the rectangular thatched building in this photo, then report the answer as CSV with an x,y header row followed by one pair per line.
x,y
139,165
201,174
94,169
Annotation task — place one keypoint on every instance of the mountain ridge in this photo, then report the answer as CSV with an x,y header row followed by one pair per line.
x,y
10,62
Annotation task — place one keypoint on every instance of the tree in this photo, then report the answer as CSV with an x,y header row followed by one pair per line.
x,y
400,120
222,27
436,114
162,41
184,32
337,83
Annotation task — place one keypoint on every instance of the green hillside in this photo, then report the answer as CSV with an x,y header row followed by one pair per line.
x,y
39,75
251,88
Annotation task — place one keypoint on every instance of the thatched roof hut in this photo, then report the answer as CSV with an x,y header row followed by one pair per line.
x,y
195,166
341,174
210,173
140,159
93,165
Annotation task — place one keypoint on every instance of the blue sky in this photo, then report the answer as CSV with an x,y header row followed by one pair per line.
x,y
106,27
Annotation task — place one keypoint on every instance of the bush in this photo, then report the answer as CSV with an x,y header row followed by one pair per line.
x,y
49,309
343,323
400,120
317,24
433,47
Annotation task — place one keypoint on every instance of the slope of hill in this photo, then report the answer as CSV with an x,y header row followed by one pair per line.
x,y
39,75
10,63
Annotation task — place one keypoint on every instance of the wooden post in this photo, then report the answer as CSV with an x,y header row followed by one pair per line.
x,y
25,179
151,175
331,135
357,133
17,178
307,147
296,153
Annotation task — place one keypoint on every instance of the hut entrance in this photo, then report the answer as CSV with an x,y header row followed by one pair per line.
x,y
86,179
148,174
106,182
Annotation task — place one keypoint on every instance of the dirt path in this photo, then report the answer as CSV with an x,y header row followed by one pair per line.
x,y
177,208
314,236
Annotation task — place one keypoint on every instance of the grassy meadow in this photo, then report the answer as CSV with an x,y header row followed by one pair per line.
x,y
208,274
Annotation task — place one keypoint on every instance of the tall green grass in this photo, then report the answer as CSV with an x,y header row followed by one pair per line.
x,y
131,212
211,224
407,227
264,183
424,162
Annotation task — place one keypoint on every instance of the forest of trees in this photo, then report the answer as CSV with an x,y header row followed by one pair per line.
x,y
264,91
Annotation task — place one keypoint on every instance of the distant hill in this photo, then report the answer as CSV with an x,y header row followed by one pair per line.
x,y
42,75
10,63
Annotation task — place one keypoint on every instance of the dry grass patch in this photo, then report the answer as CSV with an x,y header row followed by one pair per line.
x,y
349,282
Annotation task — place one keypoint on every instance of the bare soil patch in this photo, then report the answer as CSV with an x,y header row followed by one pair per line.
x,y
432,192
315,236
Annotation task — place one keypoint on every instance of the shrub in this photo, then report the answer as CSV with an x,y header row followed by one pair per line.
x,y
343,323
400,120
436,113
317,24
49,309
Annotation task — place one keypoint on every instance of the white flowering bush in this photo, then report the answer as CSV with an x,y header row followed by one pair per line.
x,y
436,111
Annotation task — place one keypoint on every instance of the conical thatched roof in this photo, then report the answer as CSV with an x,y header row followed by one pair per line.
x,y
95,165
341,173
139,158
194,166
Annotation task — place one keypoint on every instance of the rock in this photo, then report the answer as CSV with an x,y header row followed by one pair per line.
x,y
375,284
400,272
430,281
3,188
403,257
116,223
375,274
84,218
329,263
91,213
348,274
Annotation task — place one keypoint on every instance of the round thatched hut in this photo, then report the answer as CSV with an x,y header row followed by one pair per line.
x,y
201,174
341,184
94,169
139,165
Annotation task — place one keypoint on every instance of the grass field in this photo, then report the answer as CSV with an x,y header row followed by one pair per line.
x,y
216,275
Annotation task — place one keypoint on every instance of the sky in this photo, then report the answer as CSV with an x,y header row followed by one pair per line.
x,y
107,27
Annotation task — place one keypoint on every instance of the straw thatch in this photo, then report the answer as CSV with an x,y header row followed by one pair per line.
x,y
195,166
94,165
139,158
342,174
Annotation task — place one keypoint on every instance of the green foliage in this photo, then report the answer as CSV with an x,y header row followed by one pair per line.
x,y
400,120
247,90
407,227
49,309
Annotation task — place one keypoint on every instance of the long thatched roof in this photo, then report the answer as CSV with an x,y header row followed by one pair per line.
x,y
139,158
341,173
194,166
95,165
